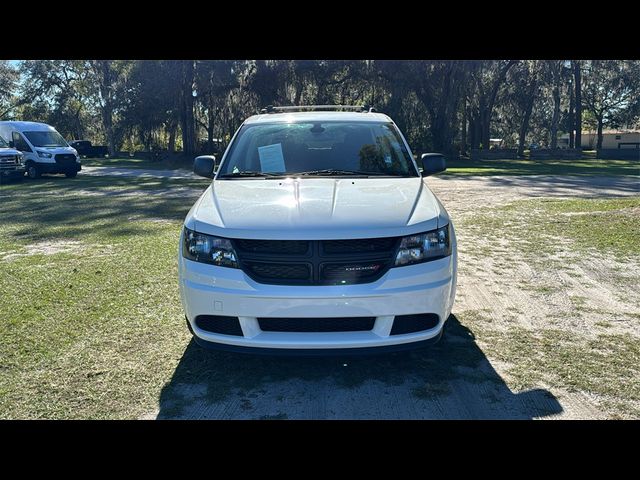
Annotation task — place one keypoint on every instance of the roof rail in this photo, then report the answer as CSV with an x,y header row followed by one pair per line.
x,y
304,108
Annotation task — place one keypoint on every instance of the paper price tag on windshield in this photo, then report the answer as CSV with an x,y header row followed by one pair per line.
x,y
271,158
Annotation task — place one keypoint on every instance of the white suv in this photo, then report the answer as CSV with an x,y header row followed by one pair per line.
x,y
318,234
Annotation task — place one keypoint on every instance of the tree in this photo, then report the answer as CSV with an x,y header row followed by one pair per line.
x,y
8,81
553,72
611,91
488,77
56,92
108,78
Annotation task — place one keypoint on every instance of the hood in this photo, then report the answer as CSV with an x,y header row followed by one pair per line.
x,y
9,151
55,150
315,208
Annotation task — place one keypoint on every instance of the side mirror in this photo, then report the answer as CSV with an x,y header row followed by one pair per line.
x,y
432,163
205,166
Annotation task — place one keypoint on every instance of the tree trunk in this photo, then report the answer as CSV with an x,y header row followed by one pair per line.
x,y
524,126
187,120
463,132
488,110
474,131
600,119
578,93
298,94
570,119
172,136
440,130
556,116
210,124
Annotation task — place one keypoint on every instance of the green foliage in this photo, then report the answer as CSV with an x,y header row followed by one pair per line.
x,y
447,106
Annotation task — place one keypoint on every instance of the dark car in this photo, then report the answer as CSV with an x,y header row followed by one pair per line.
x,y
86,149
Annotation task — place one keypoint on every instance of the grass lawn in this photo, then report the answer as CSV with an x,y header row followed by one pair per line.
x,y
544,167
92,325
589,166
609,226
137,163
542,232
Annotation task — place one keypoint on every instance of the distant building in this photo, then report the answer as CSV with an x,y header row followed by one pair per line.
x,y
612,139
495,143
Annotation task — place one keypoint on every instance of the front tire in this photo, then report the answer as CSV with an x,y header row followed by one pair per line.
x,y
71,174
33,171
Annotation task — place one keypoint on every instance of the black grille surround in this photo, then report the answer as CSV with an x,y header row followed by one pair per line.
x,y
316,262
346,324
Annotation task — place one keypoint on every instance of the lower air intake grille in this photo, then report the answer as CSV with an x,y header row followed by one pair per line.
x,y
219,324
346,324
414,323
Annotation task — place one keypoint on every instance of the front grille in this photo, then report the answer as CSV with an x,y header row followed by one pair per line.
x,y
346,324
316,262
9,162
414,323
219,324
65,159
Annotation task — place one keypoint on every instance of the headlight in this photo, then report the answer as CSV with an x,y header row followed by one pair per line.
x,y
424,247
203,248
43,154
20,159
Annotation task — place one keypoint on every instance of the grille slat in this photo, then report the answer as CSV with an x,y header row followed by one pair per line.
x,y
346,324
358,245
287,247
316,262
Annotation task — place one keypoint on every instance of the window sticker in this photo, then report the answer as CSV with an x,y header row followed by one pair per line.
x,y
271,158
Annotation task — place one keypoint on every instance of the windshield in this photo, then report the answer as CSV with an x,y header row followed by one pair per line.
x,y
3,144
318,148
46,139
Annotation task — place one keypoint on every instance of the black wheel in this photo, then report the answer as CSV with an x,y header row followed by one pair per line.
x,y
71,174
33,171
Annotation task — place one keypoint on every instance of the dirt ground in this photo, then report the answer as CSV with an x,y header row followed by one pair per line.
x,y
458,379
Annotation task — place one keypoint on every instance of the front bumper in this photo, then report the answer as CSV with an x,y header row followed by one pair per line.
x,y
424,288
13,173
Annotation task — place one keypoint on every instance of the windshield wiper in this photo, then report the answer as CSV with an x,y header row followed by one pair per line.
x,y
250,173
335,171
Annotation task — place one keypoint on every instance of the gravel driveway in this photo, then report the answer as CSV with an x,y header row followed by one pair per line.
x,y
453,380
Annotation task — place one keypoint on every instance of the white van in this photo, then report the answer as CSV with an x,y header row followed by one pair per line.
x,y
44,149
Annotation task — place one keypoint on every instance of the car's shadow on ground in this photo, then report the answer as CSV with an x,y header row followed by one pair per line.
x,y
453,379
